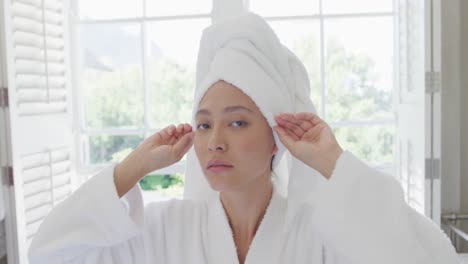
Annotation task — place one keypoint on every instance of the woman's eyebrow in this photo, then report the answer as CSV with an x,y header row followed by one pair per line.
x,y
228,109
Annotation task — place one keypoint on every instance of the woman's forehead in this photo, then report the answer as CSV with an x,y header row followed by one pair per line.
x,y
225,97
226,110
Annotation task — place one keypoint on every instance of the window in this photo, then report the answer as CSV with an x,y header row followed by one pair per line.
x,y
138,71
351,77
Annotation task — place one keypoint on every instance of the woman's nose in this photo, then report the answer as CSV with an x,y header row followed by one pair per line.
x,y
216,142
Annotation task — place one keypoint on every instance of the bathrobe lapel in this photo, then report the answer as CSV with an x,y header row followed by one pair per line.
x,y
266,245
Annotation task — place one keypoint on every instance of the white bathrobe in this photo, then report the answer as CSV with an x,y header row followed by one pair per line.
x,y
358,216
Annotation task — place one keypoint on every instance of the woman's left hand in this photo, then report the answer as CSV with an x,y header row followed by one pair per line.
x,y
310,140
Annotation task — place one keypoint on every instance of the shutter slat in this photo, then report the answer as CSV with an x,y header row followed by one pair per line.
x,y
35,173
35,187
35,54
42,108
29,12
62,192
35,95
38,213
48,4
60,155
37,200
32,53
32,228
61,166
28,25
34,40
29,81
39,67
34,160
20,9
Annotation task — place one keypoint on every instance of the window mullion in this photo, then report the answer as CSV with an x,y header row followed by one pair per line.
x,y
116,131
322,63
144,53
354,123
396,81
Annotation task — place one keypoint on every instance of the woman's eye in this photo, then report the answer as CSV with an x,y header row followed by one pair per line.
x,y
240,123
199,126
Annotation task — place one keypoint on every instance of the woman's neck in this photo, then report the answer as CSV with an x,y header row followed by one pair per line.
x,y
245,210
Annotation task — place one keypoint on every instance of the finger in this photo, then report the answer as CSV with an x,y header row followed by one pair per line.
x,y
304,124
183,145
187,128
183,129
297,130
168,134
161,134
311,117
289,117
303,119
291,134
180,129
315,132
170,129
284,137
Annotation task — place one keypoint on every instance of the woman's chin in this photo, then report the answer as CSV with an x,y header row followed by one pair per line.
x,y
218,184
219,187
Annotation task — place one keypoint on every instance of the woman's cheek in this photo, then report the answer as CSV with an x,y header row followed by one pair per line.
x,y
250,146
198,144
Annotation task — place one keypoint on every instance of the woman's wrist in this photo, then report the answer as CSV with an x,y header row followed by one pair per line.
x,y
126,175
330,162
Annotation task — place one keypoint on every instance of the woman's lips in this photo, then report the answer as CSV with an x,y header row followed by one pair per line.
x,y
219,168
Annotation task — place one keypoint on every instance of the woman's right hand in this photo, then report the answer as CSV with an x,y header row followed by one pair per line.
x,y
160,150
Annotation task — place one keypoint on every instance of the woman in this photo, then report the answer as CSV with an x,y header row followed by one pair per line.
x,y
251,105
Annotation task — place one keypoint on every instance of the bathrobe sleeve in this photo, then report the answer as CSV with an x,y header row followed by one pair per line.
x,y
92,226
362,217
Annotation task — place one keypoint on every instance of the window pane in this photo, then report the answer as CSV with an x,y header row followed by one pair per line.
x,y
356,6
177,7
359,68
105,148
159,187
284,8
172,58
302,37
373,144
112,77
110,9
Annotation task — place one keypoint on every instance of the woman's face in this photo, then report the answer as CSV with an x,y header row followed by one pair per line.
x,y
231,129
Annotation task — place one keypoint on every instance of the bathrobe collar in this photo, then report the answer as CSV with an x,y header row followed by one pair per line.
x,y
266,245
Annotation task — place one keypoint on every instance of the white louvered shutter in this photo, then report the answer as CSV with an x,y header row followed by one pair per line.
x,y
40,116
419,168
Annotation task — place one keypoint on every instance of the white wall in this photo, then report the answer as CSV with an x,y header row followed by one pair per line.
x,y
450,105
455,108
464,105
464,109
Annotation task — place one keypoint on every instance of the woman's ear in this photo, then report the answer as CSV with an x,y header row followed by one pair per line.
x,y
275,149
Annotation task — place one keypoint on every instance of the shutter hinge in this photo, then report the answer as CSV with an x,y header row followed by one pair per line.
x,y
4,100
433,82
7,173
433,169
